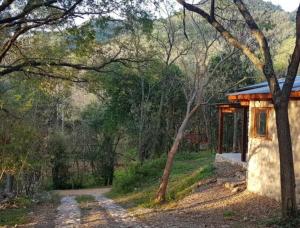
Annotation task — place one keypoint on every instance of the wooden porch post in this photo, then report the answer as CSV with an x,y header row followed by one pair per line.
x,y
220,131
245,134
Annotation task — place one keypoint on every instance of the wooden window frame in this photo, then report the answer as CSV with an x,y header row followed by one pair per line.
x,y
255,112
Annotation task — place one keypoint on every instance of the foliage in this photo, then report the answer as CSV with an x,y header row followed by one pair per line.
x,y
13,216
133,176
60,162
188,169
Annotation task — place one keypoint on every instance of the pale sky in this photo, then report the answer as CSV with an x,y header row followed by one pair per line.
x,y
288,5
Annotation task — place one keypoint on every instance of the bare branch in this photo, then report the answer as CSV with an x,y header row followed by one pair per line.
x,y
212,9
294,64
5,4
225,33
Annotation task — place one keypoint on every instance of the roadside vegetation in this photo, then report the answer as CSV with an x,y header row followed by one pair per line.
x,y
136,184
21,210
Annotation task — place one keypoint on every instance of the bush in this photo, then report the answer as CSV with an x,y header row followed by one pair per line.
x,y
136,185
60,169
137,175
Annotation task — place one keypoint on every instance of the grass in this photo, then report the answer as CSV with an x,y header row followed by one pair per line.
x,y
13,216
18,211
84,199
228,214
136,185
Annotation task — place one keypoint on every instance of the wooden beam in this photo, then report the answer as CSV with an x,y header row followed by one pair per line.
x,y
245,135
220,131
245,103
259,96
229,110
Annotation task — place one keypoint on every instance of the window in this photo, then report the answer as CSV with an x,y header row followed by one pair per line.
x,y
260,122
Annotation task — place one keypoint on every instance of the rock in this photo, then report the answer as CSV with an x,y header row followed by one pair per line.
x,y
240,175
206,182
238,189
232,184
221,181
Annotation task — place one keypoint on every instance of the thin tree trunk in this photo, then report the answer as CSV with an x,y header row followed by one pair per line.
x,y
158,125
287,174
141,124
207,128
161,194
9,183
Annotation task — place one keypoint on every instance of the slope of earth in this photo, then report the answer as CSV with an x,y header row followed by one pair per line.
x,y
213,205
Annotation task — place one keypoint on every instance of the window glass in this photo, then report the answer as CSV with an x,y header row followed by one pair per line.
x,y
261,129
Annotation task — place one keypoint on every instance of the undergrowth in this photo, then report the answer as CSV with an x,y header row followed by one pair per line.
x,y
284,223
17,210
13,216
137,184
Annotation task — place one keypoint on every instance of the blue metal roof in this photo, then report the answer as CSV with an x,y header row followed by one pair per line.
x,y
264,88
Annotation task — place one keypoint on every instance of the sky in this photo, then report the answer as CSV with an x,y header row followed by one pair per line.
x,y
287,5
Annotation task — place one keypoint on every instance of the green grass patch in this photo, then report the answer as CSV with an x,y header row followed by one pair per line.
x,y
17,212
228,214
137,184
21,202
84,199
13,216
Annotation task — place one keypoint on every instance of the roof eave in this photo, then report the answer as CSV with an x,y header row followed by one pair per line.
x,y
259,97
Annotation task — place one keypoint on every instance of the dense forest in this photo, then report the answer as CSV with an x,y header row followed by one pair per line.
x,y
93,101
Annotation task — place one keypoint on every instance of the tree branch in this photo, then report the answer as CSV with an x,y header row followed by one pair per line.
x,y
225,34
268,68
5,4
294,64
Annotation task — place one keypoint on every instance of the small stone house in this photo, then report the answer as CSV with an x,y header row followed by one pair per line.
x,y
259,151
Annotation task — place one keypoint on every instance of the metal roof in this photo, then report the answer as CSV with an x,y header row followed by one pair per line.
x,y
264,88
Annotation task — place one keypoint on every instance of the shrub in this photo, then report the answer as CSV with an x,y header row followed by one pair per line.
x,y
136,175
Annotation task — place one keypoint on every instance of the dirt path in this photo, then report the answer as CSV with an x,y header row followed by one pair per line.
x,y
118,213
102,212
78,192
68,213
211,205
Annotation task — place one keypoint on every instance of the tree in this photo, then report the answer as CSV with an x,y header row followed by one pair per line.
x,y
22,20
280,96
198,76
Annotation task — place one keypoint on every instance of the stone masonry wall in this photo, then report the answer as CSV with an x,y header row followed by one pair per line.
x,y
263,175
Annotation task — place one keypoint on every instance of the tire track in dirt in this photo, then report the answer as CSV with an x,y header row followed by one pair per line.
x,y
68,213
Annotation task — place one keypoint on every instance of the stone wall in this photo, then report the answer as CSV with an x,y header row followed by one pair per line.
x,y
263,157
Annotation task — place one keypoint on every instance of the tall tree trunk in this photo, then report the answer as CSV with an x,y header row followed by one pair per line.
x,y
9,183
156,143
141,124
287,174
